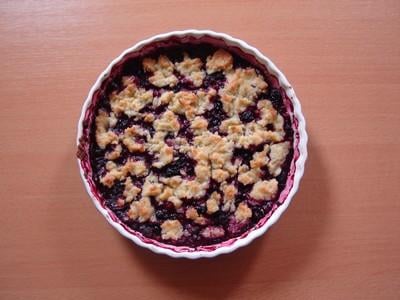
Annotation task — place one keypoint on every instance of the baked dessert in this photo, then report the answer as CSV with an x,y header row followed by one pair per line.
x,y
191,145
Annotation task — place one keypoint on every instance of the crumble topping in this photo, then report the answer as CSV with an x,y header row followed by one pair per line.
x,y
162,69
103,135
248,176
278,155
168,122
141,210
171,229
136,168
229,192
219,61
131,99
213,203
264,190
131,191
240,90
151,186
197,153
192,214
191,69
199,125
191,104
116,153
243,212
130,138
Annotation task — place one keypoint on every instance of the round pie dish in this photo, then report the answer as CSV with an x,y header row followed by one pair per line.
x,y
191,143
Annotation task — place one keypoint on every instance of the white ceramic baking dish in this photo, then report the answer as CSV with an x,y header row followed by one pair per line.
x,y
297,167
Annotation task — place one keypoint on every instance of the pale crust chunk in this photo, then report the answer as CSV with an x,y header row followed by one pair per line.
x,y
191,69
129,138
162,69
131,99
131,191
243,212
167,123
278,155
264,190
171,229
248,176
229,192
221,60
191,104
219,175
137,168
151,186
268,113
191,189
103,135
256,134
173,181
164,157
202,171
199,125
260,159
233,127
116,153
241,89
141,210
192,214
213,203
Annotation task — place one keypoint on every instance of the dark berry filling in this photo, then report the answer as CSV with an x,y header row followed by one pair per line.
x,y
183,165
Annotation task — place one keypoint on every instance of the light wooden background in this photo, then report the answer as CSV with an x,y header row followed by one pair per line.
x,y
340,239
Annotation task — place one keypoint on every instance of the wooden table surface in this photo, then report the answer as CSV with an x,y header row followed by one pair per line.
x,y
340,238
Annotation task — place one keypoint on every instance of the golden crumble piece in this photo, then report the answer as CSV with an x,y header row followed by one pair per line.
x,y
148,118
229,191
164,157
249,177
141,210
137,168
167,123
219,175
213,203
268,114
151,186
243,212
191,189
131,191
103,135
114,154
264,190
191,104
130,137
278,155
241,89
192,214
221,60
131,99
202,171
260,159
171,229
191,69
162,69
199,125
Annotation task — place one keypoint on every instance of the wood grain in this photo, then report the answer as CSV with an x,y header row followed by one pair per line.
x,y
340,239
